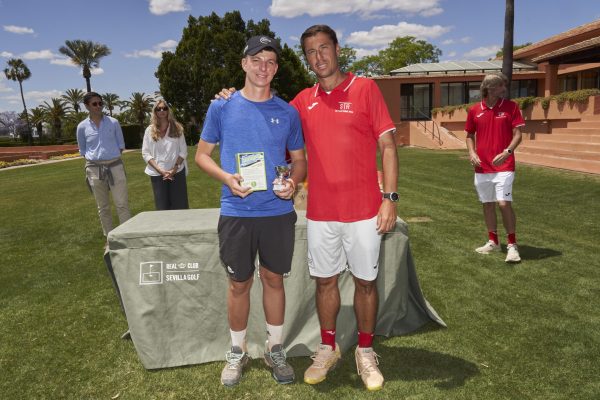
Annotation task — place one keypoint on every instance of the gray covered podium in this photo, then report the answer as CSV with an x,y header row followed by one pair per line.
x,y
173,289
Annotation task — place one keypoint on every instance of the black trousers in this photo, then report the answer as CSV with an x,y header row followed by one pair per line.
x,y
170,195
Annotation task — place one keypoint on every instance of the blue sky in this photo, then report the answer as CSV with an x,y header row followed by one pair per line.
x,y
138,30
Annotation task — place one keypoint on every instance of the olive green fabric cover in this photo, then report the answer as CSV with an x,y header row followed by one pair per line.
x,y
173,289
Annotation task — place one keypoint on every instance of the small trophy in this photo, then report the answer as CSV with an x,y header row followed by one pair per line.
x,y
282,172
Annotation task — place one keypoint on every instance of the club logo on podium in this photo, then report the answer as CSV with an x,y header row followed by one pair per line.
x,y
151,273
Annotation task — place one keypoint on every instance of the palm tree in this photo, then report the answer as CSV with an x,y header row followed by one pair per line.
x,y
74,97
55,112
140,105
85,54
38,117
18,71
111,101
507,51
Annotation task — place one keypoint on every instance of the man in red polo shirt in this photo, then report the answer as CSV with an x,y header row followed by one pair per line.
x,y
345,121
493,134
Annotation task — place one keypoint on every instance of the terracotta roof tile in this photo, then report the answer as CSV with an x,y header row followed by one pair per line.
x,y
586,44
557,38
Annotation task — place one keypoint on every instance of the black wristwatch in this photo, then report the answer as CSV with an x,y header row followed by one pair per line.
x,y
393,196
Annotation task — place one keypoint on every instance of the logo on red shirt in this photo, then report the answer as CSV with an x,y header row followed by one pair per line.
x,y
345,107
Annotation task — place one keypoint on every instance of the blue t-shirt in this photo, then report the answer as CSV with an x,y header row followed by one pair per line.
x,y
241,126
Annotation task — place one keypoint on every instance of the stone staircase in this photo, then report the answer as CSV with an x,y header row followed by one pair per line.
x,y
576,147
421,136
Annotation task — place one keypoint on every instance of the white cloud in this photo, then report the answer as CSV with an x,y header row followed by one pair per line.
x,y
38,55
167,45
360,53
156,52
35,96
6,54
95,71
295,38
145,53
19,30
162,7
466,39
3,87
452,54
295,8
66,62
384,34
483,52
432,11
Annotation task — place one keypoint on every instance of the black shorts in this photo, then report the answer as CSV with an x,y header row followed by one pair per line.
x,y
240,238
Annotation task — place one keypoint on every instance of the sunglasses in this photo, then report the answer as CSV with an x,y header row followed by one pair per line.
x,y
97,104
162,109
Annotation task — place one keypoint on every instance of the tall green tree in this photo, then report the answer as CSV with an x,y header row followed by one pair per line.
x,y
401,52
140,106
111,100
346,58
507,49
85,54
55,111
18,71
74,97
208,58
407,50
367,66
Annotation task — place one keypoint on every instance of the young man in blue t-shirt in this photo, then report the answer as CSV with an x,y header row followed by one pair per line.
x,y
254,129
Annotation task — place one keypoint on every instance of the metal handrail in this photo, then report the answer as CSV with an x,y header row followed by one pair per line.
x,y
434,125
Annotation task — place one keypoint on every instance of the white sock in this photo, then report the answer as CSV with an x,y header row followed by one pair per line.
x,y
274,334
238,339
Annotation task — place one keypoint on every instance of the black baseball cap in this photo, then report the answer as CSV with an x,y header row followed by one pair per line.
x,y
256,44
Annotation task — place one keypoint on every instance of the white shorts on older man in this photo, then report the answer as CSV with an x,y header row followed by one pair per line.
x,y
335,246
495,186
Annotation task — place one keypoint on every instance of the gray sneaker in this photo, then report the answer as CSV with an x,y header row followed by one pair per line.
x,y
236,360
276,359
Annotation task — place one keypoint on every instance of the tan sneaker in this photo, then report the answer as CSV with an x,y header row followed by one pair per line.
x,y
366,366
487,248
512,254
325,359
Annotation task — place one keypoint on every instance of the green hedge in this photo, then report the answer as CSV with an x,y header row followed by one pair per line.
x,y
12,143
133,135
573,97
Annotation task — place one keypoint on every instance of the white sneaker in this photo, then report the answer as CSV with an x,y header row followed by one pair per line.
x,y
367,367
512,256
487,248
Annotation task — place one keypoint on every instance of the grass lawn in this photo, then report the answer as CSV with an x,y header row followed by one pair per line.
x,y
526,331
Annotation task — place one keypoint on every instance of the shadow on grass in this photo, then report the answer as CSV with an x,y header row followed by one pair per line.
x,y
535,253
410,364
405,364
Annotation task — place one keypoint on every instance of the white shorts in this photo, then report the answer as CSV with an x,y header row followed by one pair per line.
x,y
336,246
495,186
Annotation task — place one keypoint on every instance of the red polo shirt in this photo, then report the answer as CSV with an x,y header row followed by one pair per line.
x,y
493,129
341,130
